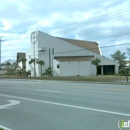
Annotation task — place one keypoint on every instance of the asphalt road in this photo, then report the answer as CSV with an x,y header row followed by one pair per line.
x,y
62,106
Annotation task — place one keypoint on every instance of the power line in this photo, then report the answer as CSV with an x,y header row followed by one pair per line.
x,y
120,36
78,50
94,20
79,22
91,21
112,36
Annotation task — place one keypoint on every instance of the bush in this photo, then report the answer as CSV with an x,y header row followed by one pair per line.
x,y
48,71
28,73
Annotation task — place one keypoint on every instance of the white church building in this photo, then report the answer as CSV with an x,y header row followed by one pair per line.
x,y
67,57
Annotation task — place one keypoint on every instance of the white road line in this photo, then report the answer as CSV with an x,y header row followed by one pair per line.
x,y
12,103
48,90
5,128
66,105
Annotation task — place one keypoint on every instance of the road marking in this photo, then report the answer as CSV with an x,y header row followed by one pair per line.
x,y
5,128
12,103
66,105
48,90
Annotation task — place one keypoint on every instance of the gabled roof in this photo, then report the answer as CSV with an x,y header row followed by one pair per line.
x,y
88,45
74,58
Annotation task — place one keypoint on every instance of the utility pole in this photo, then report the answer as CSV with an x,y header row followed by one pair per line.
x,y
0,50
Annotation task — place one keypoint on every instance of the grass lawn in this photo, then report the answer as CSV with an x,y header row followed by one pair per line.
x,y
105,78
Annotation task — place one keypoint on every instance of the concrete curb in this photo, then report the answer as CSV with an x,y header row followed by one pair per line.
x,y
90,82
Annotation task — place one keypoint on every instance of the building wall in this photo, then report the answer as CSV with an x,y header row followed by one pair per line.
x,y
109,62
46,41
92,69
20,64
59,46
77,68
30,55
56,71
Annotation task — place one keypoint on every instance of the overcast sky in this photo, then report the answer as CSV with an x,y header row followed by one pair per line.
x,y
106,22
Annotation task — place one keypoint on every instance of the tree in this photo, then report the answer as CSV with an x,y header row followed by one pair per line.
x,y
126,72
120,57
41,63
18,71
48,71
96,62
7,64
23,60
9,67
128,52
3,67
15,68
34,62
28,73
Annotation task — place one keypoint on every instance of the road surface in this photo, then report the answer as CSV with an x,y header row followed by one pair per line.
x,y
33,105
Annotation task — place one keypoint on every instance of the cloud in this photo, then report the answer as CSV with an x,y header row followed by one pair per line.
x,y
86,20
6,25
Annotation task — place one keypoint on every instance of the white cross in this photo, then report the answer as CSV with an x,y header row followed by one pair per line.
x,y
34,37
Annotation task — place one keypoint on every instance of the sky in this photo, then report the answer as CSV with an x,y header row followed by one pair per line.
x,y
106,22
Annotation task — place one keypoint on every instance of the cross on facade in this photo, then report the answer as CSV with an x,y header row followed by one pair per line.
x,y
33,37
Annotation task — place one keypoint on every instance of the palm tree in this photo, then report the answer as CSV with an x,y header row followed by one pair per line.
x,y
23,60
41,63
96,62
33,61
48,71
14,67
8,66
3,67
